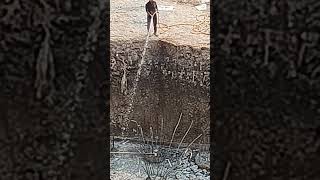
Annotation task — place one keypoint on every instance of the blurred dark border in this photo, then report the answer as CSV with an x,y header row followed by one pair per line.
x,y
64,134
265,90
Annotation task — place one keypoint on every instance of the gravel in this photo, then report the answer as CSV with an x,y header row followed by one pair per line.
x,y
132,166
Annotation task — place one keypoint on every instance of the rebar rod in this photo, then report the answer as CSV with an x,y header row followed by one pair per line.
x,y
138,153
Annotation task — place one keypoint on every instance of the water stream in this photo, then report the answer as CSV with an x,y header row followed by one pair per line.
x,y
135,83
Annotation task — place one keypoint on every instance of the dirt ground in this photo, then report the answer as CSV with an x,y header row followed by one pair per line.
x,y
184,25
130,167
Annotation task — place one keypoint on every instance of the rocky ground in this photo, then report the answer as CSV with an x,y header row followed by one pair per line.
x,y
131,167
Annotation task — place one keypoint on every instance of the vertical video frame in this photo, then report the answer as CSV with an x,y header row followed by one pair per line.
x,y
159,111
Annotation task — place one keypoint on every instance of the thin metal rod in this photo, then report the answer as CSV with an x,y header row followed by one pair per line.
x,y
141,131
161,138
190,144
112,141
151,138
138,153
185,134
175,130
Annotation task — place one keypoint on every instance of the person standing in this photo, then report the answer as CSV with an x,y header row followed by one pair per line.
x,y
152,10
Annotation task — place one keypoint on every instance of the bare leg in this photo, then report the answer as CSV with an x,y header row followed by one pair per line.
x,y
148,22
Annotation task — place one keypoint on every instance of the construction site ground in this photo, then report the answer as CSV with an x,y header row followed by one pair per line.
x,y
184,25
130,167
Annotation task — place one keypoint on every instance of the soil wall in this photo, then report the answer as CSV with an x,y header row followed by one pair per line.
x,y
174,80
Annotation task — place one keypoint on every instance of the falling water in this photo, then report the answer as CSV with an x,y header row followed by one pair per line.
x,y
135,83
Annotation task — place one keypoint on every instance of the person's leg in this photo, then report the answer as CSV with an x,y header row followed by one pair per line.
x,y
148,22
155,23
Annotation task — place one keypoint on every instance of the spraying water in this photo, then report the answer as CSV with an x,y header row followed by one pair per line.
x,y
135,83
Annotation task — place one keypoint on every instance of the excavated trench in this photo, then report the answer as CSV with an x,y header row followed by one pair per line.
x,y
174,80
174,84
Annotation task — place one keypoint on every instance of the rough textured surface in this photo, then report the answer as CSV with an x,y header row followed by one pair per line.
x,y
52,61
185,25
174,80
129,166
266,90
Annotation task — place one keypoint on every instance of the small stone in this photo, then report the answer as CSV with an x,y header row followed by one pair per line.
x,y
194,168
186,172
205,171
192,176
178,176
184,166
